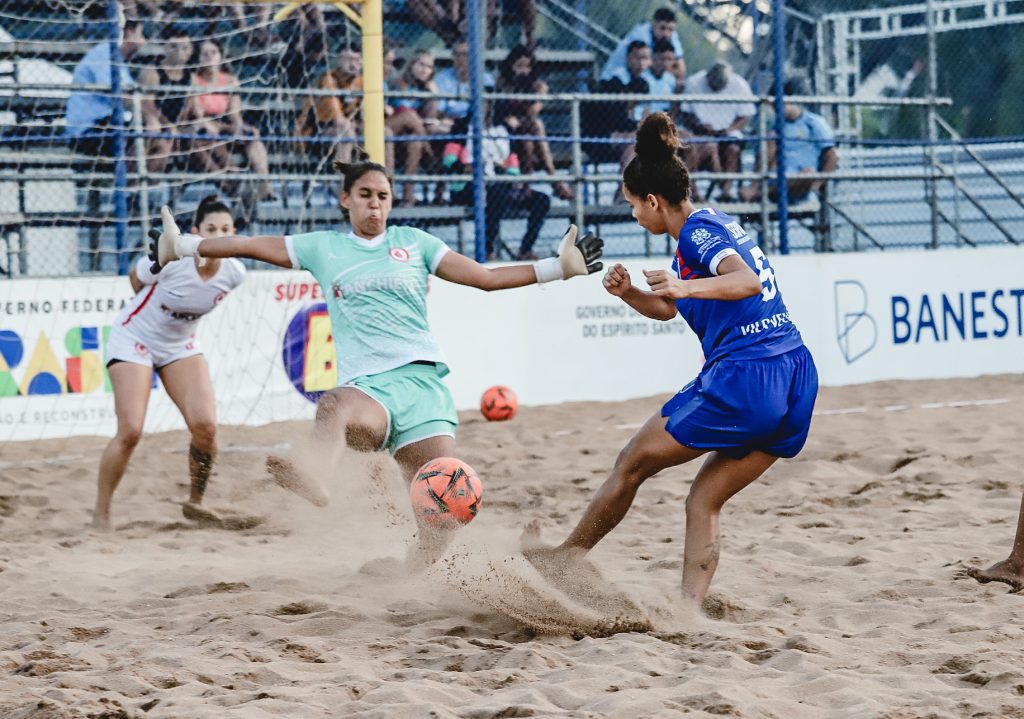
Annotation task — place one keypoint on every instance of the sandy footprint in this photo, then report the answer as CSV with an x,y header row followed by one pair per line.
x,y
222,519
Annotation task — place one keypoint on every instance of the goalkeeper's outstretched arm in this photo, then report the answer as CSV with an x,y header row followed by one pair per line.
x,y
576,256
171,244
266,248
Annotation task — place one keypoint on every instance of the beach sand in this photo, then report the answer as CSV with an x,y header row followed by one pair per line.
x,y
840,591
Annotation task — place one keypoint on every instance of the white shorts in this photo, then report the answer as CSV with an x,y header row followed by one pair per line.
x,y
123,347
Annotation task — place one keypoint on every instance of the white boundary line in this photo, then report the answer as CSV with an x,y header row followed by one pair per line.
x,y
888,408
956,404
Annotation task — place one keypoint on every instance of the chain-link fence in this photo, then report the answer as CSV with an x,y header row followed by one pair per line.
x,y
112,109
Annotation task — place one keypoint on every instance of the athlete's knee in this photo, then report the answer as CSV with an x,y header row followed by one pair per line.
x,y
204,435
701,504
632,465
129,436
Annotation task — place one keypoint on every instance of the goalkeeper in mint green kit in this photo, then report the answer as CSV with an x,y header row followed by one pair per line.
x,y
390,392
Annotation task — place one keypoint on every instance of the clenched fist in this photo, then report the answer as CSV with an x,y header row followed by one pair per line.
x,y
616,280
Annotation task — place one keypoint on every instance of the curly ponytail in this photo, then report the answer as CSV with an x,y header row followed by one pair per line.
x,y
656,169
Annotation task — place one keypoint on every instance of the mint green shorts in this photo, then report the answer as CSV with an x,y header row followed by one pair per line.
x,y
417,401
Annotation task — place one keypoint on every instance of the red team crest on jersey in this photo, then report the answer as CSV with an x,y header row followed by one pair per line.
x,y
141,349
400,254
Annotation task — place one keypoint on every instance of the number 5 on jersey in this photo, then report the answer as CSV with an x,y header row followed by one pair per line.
x,y
765,273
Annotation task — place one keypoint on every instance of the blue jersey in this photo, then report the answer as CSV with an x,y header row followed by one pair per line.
x,y
755,327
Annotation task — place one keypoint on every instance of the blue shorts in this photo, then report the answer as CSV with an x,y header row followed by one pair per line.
x,y
739,406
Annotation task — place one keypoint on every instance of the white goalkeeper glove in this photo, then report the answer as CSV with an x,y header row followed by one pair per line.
x,y
576,256
170,244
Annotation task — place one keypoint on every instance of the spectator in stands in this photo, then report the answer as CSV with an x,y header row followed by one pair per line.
x,y
89,113
89,116
518,74
661,27
163,112
720,120
617,120
455,80
665,76
810,147
414,117
502,198
219,114
329,116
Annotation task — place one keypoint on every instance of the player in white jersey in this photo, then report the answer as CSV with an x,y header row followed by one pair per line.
x,y
156,331
374,278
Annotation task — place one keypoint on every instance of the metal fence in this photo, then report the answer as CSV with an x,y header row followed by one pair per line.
x,y
239,100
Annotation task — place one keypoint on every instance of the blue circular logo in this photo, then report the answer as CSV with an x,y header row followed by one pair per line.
x,y
308,352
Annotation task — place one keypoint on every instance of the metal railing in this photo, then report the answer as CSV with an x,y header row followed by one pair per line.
x,y
580,173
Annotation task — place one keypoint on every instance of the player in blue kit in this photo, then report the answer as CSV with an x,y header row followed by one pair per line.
x,y
753,399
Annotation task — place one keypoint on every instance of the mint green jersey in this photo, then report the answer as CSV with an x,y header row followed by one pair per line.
x,y
376,294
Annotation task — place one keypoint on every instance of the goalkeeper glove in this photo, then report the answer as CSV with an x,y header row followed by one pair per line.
x,y
576,256
170,244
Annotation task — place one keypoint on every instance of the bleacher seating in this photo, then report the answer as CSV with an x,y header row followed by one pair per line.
x,y
32,147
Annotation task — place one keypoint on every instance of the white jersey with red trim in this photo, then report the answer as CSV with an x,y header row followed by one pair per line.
x,y
165,312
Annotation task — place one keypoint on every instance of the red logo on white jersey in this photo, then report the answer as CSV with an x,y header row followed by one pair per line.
x,y
220,296
399,253
190,345
141,349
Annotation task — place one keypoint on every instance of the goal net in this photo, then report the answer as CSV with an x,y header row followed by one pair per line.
x,y
112,109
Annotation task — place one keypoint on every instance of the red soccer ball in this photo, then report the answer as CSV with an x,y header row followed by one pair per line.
x,y
499,403
445,493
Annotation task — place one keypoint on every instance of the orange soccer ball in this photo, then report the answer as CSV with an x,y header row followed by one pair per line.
x,y
445,493
499,403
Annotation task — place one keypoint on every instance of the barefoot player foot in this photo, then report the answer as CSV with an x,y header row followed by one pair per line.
x,y
1007,571
101,522
553,563
200,514
285,474
549,561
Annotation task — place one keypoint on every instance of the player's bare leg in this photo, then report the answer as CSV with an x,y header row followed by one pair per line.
x,y
651,450
344,417
719,479
131,384
1011,569
431,542
200,465
188,384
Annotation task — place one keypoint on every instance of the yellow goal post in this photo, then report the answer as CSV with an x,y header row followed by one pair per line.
x,y
370,21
